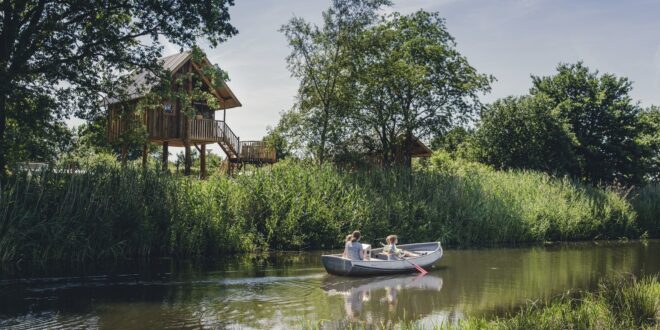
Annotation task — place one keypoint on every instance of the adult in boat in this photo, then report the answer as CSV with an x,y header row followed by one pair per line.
x,y
353,247
393,252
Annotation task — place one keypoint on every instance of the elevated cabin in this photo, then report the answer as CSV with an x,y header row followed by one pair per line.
x,y
169,126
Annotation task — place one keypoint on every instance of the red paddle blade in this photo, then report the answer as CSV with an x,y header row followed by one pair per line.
x,y
420,269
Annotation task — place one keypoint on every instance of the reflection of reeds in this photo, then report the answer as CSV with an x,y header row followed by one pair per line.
x,y
108,212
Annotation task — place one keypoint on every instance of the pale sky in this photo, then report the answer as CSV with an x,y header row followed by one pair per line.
x,y
509,39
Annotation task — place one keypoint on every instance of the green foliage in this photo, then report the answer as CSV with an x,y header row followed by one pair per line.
x,y
412,82
618,303
73,53
522,133
33,133
649,139
646,201
323,58
576,122
102,210
371,85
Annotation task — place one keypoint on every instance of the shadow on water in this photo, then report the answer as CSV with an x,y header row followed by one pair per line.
x,y
284,290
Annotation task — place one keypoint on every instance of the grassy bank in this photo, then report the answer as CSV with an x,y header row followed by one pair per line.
x,y
109,212
617,303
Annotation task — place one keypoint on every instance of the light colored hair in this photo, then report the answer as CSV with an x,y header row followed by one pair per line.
x,y
392,239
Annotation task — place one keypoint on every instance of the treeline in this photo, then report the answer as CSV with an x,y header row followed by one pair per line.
x,y
370,84
109,212
577,123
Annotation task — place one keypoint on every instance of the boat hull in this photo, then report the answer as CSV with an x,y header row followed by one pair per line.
x,y
335,264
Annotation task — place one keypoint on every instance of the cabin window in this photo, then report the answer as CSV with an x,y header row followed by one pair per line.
x,y
168,108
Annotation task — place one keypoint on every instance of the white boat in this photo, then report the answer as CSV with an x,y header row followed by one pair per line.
x,y
378,264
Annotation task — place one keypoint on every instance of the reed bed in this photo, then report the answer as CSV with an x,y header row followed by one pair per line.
x,y
109,212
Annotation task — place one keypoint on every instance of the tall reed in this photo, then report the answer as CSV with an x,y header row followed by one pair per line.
x,y
105,211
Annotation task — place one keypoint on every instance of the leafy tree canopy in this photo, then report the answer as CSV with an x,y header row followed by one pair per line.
x,y
576,122
73,52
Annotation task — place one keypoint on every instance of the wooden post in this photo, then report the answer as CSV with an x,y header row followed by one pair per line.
x,y
145,153
124,152
202,161
165,156
188,159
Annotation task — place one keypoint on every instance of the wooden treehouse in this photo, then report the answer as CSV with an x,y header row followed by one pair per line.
x,y
168,125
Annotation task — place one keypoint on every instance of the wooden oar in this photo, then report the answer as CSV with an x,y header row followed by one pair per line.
x,y
418,267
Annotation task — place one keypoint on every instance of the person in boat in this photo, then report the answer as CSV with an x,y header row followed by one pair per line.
x,y
353,247
349,237
393,252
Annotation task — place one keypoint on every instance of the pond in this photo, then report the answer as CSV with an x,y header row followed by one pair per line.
x,y
292,290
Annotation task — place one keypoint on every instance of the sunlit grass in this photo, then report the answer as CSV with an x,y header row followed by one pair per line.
x,y
107,212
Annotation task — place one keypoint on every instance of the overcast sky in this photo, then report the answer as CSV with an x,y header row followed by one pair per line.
x,y
509,39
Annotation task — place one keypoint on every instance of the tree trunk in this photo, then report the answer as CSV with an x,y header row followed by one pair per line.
x,y
202,161
407,150
165,156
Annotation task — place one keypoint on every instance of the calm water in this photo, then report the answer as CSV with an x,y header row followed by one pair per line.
x,y
289,289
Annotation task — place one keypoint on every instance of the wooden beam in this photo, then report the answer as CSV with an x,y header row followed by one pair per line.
x,y
202,162
164,159
188,159
197,147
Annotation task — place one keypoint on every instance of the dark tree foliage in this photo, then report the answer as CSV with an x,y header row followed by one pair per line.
x,y
521,132
649,139
599,117
576,122
73,52
452,140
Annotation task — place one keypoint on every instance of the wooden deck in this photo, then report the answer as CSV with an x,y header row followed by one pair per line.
x,y
163,127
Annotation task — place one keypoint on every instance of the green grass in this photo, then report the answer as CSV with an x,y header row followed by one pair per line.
x,y
617,303
107,212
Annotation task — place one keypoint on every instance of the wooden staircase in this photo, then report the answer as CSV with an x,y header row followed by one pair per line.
x,y
237,151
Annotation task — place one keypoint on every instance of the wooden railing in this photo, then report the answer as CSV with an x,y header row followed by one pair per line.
x,y
211,130
257,151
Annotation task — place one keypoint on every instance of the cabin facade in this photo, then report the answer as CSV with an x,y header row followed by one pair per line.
x,y
168,125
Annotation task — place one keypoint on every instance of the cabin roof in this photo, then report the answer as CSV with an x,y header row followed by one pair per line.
x,y
140,81
420,149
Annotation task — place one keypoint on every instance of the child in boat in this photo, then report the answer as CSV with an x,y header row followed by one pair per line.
x,y
394,252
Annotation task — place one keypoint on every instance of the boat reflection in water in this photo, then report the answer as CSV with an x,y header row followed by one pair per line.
x,y
375,300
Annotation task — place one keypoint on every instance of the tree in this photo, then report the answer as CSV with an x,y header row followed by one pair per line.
x,y
412,82
649,139
599,118
33,134
322,58
576,122
72,52
522,133
452,140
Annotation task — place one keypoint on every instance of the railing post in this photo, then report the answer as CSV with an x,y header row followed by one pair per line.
x,y
238,147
